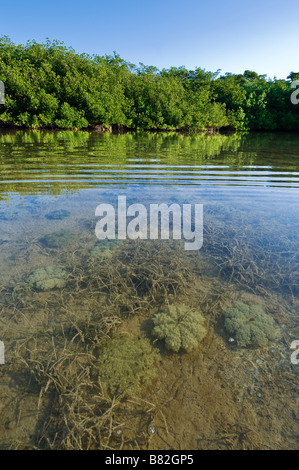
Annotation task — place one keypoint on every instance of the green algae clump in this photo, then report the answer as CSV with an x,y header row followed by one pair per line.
x,y
58,239
48,278
180,327
125,363
103,248
249,325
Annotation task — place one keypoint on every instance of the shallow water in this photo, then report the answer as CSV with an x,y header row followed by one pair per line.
x,y
248,186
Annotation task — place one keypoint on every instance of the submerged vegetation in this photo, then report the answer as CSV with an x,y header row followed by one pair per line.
x,y
48,278
58,239
180,327
104,248
86,362
89,355
50,85
124,363
249,325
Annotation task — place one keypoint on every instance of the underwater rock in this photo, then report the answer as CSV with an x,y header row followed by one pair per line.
x,y
58,214
249,325
125,362
58,239
48,278
180,326
104,248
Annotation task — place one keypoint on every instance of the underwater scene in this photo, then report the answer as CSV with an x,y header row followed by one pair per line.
x,y
137,342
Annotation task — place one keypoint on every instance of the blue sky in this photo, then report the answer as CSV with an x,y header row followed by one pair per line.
x,y
229,35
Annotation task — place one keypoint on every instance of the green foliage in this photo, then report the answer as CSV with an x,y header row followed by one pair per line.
x,y
249,325
293,76
70,117
125,363
50,85
180,327
254,102
48,278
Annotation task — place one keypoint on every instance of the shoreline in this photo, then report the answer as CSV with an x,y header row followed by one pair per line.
x,y
117,129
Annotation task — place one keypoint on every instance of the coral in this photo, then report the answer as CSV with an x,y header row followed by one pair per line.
x,y
125,362
103,248
48,278
249,325
180,326
58,214
58,239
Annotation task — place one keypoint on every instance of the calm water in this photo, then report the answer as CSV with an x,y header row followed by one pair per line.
x,y
249,188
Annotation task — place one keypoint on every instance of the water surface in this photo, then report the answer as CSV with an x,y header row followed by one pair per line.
x,y
248,185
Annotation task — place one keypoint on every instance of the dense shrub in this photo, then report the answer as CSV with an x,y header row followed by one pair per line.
x,y
50,85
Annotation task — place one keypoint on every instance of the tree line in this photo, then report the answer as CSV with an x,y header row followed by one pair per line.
x,y
51,86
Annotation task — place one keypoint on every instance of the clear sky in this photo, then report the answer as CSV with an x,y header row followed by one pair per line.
x,y
231,35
